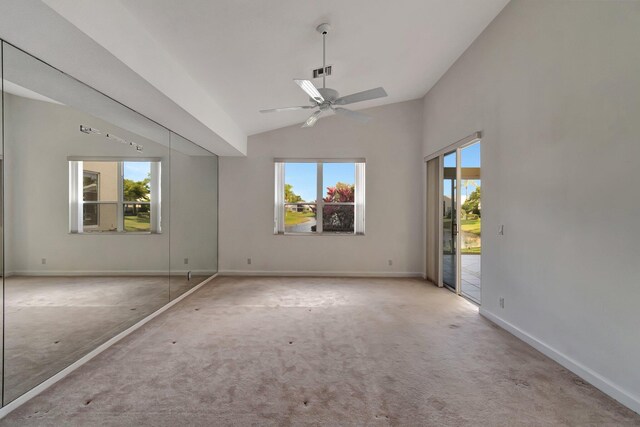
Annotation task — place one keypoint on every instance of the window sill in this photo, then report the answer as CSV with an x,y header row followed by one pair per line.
x,y
321,234
115,233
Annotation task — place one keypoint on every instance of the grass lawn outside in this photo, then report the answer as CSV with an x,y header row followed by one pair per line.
x,y
293,218
472,251
134,223
473,226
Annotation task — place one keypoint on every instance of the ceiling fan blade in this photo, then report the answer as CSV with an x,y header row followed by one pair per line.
x,y
310,89
278,110
362,118
312,119
361,96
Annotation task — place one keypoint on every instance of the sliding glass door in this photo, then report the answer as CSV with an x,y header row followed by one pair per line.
x,y
449,221
470,220
459,216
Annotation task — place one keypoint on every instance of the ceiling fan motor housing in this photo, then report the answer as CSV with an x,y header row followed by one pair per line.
x,y
329,95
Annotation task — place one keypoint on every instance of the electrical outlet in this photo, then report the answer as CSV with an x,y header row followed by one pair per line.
x,y
186,260
501,230
501,302
44,261
390,262
249,261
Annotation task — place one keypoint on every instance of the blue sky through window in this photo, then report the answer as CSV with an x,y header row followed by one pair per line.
x,y
136,171
303,177
470,158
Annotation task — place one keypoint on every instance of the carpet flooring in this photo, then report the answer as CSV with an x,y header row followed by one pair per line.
x,y
321,351
50,322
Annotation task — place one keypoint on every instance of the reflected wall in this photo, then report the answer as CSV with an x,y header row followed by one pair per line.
x,y
108,217
194,215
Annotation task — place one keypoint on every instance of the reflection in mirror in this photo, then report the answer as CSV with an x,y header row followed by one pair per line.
x,y
194,215
2,202
86,195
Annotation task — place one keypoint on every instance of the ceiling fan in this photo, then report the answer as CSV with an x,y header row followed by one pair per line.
x,y
326,99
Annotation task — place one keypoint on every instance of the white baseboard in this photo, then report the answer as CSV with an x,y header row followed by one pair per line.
x,y
318,273
99,273
603,384
93,353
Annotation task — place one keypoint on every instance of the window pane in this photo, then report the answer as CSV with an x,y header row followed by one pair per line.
x,y
100,181
338,218
90,186
300,218
338,182
137,176
300,182
100,217
137,217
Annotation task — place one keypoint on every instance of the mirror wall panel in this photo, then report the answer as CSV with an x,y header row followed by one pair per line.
x,y
87,213
194,215
1,215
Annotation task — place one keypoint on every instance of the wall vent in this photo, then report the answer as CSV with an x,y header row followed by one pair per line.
x,y
318,72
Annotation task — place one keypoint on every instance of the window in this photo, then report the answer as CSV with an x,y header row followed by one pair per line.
x,y
116,196
319,197
90,185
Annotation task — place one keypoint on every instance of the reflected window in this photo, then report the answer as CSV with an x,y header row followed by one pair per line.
x,y
90,192
114,196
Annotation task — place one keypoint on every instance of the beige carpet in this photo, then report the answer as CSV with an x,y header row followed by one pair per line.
x,y
50,322
318,351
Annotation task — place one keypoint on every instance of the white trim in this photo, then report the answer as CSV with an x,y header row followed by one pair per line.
x,y
360,199
120,188
107,273
458,221
603,384
155,169
278,222
320,160
4,411
440,222
75,196
113,159
319,197
451,147
319,273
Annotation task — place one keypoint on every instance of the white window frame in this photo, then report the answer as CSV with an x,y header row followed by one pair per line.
x,y
359,197
76,202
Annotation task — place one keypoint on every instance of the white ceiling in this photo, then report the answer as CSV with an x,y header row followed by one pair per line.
x,y
205,67
245,53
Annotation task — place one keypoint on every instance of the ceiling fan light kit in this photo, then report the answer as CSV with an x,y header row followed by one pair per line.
x,y
327,99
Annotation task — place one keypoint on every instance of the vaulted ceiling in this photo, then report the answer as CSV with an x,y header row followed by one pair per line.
x,y
246,53
222,61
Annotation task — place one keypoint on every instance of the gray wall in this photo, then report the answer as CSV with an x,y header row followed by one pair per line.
x,y
391,145
555,87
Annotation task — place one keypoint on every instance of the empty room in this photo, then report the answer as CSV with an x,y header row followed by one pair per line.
x,y
296,212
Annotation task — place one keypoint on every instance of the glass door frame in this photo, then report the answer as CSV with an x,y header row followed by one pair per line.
x,y
455,218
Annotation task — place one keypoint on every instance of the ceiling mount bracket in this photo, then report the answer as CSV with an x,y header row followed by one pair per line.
x,y
323,28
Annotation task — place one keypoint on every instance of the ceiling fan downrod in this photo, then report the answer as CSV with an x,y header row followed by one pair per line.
x,y
324,30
